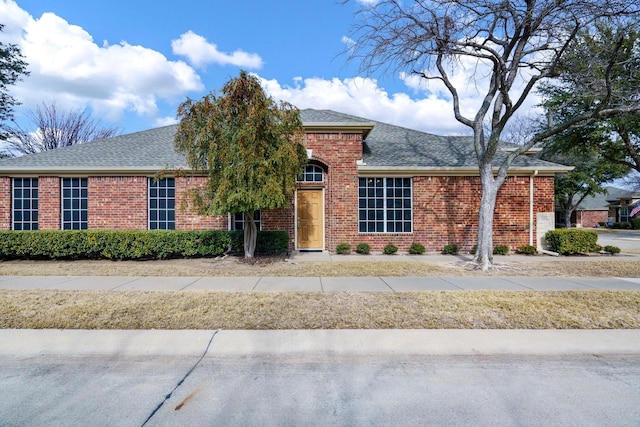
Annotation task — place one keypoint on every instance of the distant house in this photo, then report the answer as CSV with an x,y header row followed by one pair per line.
x,y
612,206
621,203
365,181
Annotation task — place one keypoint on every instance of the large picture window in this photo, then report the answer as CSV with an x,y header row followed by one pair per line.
x,y
74,203
162,201
384,205
25,204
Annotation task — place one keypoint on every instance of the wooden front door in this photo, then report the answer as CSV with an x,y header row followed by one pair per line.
x,y
310,219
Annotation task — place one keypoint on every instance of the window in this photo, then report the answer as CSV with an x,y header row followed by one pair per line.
x,y
74,203
238,221
384,205
624,214
312,173
25,204
162,200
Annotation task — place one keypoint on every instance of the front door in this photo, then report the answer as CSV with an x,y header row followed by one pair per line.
x,y
310,222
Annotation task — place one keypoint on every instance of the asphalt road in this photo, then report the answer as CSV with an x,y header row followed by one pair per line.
x,y
320,390
624,239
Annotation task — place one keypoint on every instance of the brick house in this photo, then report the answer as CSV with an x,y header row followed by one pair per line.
x,y
366,181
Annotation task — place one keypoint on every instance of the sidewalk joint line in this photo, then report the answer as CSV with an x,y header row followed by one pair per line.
x,y
256,285
452,284
126,283
383,281
189,284
168,396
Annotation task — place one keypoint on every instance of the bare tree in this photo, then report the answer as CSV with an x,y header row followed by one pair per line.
x,y
56,129
512,45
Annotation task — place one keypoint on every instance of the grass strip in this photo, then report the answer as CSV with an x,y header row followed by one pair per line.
x,y
58,309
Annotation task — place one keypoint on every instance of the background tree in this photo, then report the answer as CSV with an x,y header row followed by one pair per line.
x,y
249,146
55,129
512,45
12,68
590,172
614,139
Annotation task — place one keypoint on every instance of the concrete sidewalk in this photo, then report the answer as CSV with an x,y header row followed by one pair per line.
x,y
317,284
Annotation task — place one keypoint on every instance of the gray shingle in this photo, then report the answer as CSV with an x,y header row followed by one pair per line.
x,y
152,150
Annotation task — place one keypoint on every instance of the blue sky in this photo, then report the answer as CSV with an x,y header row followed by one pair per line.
x,y
132,62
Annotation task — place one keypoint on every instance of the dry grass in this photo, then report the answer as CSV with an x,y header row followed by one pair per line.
x,y
311,310
605,266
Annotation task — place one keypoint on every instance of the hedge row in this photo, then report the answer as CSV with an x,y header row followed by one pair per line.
x,y
124,245
571,241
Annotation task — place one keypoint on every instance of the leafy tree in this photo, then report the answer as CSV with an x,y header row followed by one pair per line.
x,y
249,146
615,139
591,171
12,68
513,45
55,129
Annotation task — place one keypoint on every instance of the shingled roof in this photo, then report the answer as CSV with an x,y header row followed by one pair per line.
x,y
386,147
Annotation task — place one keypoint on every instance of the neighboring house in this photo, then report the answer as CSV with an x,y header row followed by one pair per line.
x,y
621,203
591,211
366,181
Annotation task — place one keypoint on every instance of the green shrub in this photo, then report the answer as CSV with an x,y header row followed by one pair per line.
x,y
473,249
416,248
343,249
363,248
527,250
612,249
573,241
111,244
602,224
268,242
390,249
501,250
450,249
621,225
635,223
597,248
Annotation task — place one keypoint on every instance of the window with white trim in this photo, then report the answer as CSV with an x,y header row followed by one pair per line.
x,y
384,205
312,173
237,222
74,203
25,204
162,201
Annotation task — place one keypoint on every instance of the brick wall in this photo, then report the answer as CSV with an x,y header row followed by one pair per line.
x,y
49,203
445,210
589,218
186,215
117,202
5,203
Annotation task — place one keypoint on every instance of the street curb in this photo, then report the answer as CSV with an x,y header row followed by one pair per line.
x,y
393,342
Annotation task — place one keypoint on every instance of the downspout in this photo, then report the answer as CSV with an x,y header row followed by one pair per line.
x,y
531,222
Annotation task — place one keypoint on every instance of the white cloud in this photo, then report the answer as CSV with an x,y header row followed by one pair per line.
x,y
67,65
363,97
200,52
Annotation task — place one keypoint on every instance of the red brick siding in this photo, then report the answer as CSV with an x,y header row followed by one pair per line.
x,y
186,217
117,202
5,203
445,210
49,203
589,218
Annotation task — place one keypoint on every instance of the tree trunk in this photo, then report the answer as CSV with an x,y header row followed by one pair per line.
x,y
484,250
567,217
250,235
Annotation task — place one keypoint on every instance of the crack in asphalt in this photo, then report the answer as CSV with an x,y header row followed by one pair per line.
x,y
168,396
